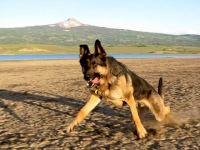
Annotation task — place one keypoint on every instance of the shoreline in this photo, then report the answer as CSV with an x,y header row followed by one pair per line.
x,y
27,57
1,61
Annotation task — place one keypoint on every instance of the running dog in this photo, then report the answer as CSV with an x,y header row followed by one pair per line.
x,y
110,79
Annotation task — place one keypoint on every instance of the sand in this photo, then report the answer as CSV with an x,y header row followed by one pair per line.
x,y
39,99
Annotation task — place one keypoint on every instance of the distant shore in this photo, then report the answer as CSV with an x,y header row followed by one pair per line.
x,y
110,49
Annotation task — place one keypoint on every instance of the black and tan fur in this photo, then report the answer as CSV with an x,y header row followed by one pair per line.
x,y
109,79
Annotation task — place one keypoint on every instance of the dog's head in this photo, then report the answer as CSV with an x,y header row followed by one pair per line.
x,y
94,66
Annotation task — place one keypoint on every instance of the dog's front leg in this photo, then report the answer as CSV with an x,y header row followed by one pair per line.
x,y
89,106
140,129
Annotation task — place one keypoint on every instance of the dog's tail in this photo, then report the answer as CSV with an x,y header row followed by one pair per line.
x,y
160,88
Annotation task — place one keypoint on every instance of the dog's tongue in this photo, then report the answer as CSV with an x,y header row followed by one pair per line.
x,y
95,80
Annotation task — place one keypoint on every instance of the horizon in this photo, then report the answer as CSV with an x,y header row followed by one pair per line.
x,y
171,17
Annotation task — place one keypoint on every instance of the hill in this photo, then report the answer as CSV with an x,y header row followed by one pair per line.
x,y
72,32
66,36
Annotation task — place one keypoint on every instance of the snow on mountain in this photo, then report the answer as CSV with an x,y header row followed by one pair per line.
x,y
71,22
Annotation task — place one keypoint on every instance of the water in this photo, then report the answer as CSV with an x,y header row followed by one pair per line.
x,y
76,56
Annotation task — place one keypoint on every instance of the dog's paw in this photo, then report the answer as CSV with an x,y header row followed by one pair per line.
x,y
141,132
70,128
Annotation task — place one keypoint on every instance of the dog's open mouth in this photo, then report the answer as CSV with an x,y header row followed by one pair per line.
x,y
92,82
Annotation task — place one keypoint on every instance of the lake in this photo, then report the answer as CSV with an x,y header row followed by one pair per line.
x,y
76,56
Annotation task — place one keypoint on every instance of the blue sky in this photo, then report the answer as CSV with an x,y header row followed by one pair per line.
x,y
163,16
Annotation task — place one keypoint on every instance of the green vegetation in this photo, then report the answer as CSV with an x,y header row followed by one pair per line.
x,y
153,49
54,40
37,49
128,49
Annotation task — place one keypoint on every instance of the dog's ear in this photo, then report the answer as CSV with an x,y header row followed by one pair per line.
x,y
99,51
84,50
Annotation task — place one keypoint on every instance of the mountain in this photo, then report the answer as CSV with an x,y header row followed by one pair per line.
x,y
71,22
73,32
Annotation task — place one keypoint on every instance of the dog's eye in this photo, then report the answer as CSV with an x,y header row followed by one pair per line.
x,y
94,64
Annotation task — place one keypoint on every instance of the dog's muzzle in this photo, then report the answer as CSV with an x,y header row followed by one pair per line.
x,y
93,82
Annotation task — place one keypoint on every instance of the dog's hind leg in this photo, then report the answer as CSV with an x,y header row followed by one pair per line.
x,y
89,106
157,106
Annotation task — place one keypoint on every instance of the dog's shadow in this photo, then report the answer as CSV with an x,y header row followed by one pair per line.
x,y
31,97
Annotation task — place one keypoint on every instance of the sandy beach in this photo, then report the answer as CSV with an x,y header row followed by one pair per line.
x,y
39,99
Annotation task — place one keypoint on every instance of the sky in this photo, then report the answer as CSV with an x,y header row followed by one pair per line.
x,y
161,16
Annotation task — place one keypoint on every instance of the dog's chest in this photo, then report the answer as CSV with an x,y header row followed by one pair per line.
x,y
114,95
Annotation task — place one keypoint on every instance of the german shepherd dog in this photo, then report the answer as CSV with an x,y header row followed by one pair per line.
x,y
109,79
